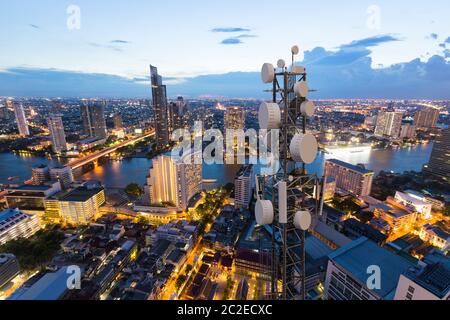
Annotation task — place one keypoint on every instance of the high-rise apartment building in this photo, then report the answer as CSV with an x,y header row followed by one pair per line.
x,y
173,184
21,120
350,178
160,110
426,118
408,131
15,224
94,124
56,127
243,187
439,164
389,124
234,120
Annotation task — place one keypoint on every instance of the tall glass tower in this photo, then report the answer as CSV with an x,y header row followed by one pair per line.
x,y
94,123
160,109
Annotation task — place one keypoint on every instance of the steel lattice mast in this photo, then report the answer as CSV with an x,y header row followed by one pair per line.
x,y
292,189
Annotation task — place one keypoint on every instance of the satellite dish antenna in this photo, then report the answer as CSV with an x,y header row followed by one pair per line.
x,y
304,148
295,50
269,116
301,89
267,73
281,64
302,220
307,108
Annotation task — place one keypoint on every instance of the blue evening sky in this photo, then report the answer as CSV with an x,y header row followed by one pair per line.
x,y
188,38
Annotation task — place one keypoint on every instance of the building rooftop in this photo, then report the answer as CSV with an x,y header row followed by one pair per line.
x,y
80,194
435,278
350,166
8,213
358,255
50,287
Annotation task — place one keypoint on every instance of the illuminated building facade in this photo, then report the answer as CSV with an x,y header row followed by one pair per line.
x,y
15,224
389,124
79,206
160,109
21,120
55,125
350,178
173,184
93,116
426,118
439,164
244,187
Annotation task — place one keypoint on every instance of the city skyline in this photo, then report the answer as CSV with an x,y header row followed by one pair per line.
x,y
377,47
146,155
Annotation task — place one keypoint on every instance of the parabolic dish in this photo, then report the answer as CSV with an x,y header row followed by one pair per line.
x,y
301,89
307,108
269,116
302,220
304,148
281,64
267,73
295,50
264,212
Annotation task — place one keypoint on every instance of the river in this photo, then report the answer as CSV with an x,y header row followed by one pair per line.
x,y
119,173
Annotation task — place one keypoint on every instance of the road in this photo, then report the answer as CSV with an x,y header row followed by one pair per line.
x,y
85,160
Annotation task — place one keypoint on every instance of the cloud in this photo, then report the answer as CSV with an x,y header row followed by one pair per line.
x,y
370,42
242,36
119,42
63,83
447,40
34,26
237,39
345,72
231,41
104,46
231,29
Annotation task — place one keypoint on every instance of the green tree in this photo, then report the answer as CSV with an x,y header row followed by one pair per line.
x,y
181,279
134,189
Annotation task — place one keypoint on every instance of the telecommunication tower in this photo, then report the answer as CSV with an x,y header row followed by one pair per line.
x,y
288,198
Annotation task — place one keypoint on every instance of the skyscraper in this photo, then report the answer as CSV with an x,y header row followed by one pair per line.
x,y
118,122
94,123
408,131
439,164
243,187
21,120
234,120
178,115
56,127
172,183
426,118
389,124
160,109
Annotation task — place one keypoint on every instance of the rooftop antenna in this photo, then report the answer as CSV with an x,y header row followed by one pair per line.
x,y
293,201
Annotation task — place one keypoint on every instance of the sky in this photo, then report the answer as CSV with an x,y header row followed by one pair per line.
x,y
104,48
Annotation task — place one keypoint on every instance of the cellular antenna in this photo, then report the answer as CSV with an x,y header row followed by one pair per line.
x,y
292,201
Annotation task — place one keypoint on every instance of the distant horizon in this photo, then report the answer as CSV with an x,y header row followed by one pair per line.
x,y
360,50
